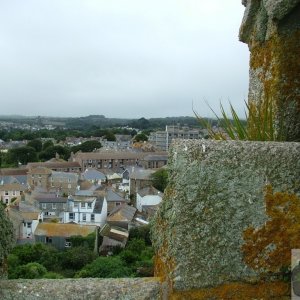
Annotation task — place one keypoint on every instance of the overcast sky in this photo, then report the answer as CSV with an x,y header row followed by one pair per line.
x,y
131,59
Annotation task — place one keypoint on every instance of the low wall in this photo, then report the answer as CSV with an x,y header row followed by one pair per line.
x,y
216,191
84,288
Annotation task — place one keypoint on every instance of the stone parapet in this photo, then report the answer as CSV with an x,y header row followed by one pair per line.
x,y
215,192
83,288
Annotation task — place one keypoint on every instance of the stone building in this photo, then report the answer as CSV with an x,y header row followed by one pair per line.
x,y
116,159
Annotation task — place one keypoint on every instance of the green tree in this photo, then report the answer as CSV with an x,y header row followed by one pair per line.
x,y
51,151
36,144
47,144
88,146
76,258
29,271
6,239
45,255
106,267
21,155
141,137
80,241
141,232
160,179
110,136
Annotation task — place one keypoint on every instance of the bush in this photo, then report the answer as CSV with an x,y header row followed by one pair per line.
x,y
77,257
28,271
106,267
141,232
52,275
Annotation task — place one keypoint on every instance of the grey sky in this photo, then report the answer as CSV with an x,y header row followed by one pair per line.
x,y
131,59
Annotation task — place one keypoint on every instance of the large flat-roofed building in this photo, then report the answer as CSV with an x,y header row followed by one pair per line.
x,y
163,139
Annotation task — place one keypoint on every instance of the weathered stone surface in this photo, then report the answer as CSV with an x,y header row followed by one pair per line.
x,y
271,28
75,289
216,190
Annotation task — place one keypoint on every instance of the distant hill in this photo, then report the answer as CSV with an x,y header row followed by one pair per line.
x,y
100,121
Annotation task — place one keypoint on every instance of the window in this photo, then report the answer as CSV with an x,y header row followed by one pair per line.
x,y
44,205
90,205
64,206
28,225
14,193
53,205
6,200
69,179
71,216
6,193
118,203
82,205
92,218
83,217
48,240
68,244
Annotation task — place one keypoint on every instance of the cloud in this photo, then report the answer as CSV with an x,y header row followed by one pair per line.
x,y
139,58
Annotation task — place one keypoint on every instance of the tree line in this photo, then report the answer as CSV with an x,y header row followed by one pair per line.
x,y
44,261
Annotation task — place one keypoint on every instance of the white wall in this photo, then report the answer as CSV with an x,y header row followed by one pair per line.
x,y
147,200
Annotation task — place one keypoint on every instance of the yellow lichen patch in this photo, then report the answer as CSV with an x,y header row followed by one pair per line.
x,y
163,265
237,291
276,65
268,248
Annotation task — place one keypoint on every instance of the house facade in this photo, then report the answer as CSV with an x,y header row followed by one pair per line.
x,y
112,159
51,206
113,199
11,192
85,211
58,235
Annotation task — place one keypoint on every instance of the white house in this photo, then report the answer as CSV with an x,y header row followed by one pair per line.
x,y
148,196
85,211
29,224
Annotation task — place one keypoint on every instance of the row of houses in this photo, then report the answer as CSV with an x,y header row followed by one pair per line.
x,y
42,200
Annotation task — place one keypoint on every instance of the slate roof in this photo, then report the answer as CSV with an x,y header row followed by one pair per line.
x,y
108,155
21,179
112,196
122,213
13,171
150,190
65,175
63,230
98,205
54,165
45,199
87,192
40,170
12,187
153,157
141,174
92,174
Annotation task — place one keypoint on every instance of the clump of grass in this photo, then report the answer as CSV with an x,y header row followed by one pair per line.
x,y
258,125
